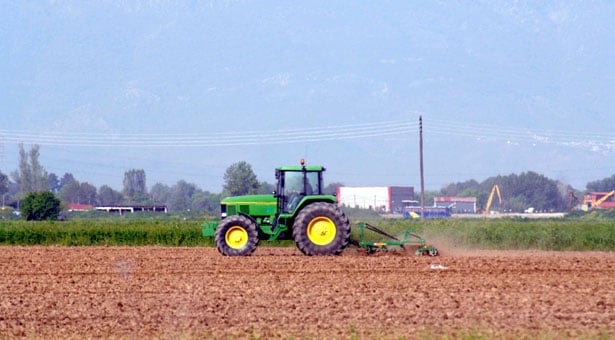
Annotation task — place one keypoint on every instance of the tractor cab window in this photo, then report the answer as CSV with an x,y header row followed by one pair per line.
x,y
296,185
312,183
292,190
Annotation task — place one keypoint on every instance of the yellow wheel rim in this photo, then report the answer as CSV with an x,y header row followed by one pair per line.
x,y
236,237
321,230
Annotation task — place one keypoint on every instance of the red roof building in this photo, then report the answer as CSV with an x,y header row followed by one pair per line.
x,y
458,205
79,207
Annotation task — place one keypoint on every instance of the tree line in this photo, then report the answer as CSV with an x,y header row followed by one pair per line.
x,y
31,176
528,189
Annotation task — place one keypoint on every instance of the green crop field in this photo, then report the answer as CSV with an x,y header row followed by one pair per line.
x,y
548,234
103,232
504,233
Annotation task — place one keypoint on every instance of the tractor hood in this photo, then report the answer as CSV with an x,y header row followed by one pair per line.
x,y
252,205
249,199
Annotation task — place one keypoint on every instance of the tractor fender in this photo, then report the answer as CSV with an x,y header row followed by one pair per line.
x,y
248,217
313,199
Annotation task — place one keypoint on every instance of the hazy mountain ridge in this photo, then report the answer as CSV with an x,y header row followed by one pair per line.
x,y
193,67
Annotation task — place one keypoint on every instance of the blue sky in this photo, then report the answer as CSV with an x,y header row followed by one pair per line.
x,y
183,89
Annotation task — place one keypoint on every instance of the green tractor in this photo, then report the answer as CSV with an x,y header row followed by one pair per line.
x,y
297,210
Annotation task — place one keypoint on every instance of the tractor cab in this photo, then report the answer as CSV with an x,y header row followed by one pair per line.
x,y
295,183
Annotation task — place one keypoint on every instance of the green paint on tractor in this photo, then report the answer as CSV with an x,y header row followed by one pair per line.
x,y
298,210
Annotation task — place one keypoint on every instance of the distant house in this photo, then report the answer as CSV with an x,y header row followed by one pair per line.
x,y
79,207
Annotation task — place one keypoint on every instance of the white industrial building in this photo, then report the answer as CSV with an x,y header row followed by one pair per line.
x,y
383,199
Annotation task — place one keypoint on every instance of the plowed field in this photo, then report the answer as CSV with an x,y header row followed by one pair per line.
x,y
159,292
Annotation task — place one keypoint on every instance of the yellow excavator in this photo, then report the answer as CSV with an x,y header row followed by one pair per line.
x,y
494,190
590,202
597,203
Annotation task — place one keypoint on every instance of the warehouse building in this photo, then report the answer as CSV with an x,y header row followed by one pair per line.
x,y
382,199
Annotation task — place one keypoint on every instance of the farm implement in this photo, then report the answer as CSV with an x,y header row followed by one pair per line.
x,y
298,210
392,242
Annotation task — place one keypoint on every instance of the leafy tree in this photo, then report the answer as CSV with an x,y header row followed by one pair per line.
x,y
605,185
53,183
10,198
66,179
71,192
540,192
207,202
134,186
108,197
24,175
185,196
4,188
519,192
265,188
456,189
517,203
80,193
4,183
160,193
239,179
31,175
181,196
87,193
470,192
40,206
214,203
529,189
39,175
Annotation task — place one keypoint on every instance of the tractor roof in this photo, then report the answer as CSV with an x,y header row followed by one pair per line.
x,y
300,168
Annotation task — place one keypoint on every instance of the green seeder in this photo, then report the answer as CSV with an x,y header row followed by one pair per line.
x,y
408,238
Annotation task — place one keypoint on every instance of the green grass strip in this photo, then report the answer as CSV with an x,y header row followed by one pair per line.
x,y
478,233
103,232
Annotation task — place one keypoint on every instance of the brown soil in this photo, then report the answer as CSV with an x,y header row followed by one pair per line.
x,y
159,292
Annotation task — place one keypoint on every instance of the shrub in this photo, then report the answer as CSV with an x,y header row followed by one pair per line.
x,y
40,206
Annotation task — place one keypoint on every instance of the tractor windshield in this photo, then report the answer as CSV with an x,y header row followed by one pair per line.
x,y
297,184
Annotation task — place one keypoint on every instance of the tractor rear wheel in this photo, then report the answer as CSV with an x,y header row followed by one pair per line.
x,y
321,229
236,236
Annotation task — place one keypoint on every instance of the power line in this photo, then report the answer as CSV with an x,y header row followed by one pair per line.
x,y
218,139
483,132
479,132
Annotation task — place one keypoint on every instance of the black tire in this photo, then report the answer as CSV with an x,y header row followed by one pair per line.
x,y
236,236
321,229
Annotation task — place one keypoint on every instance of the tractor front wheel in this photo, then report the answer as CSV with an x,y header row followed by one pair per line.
x,y
321,229
236,236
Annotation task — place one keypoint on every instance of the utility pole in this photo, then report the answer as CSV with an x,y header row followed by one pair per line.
x,y
2,164
1,151
421,162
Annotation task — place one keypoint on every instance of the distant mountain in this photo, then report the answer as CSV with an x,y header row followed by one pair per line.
x,y
491,80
